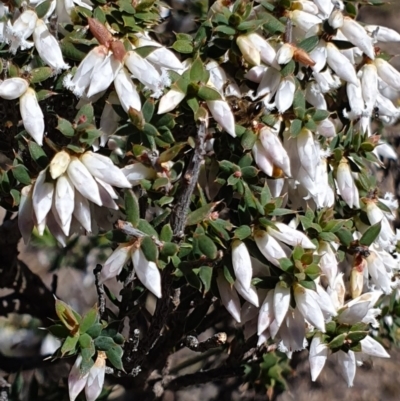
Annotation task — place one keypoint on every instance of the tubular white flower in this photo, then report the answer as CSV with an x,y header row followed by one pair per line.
x,y
269,83
229,297
266,314
81,80
274,150
103,168
83,181
82,211
267,52
95,380
262,159
354,94
20,30
382,34
340,64
336,19
281,302
357,35
126,91
308,307
325,7
250,52
137,172
290,236
32,115
347,187
147,272
103,74
223,115
315,97
143,70
285,53
76,381
304,20
42,197
269,247
319,54
170,100
326,128
285,94
64,200
109,120
328,262
116,261
107,194
379,276
241,263
369,86
307,152
249,294
388,73
48,48
347,364
371,347
318,355
59,164
13,88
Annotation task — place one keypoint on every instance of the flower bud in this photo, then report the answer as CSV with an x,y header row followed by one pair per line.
x,y
223,115
32,115
126,90
13,88
170,100
340,64
95,380
285,53
388,73
42,197
357,35
249,51
229,297
59,164
346,185
76,381
285,94
382,34
241,263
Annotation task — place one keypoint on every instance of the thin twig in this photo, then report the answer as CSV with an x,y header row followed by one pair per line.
x,y
178,221
128,229
101,296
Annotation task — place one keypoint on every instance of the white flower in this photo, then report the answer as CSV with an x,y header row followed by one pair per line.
x,y
126,91
346,185
290,236
229,297
13,88
340,64
249,50
270,247
304,20
285,94
64,200
318,355
82,78
32,115
59,164
388,73
147,272
170,100
382,34
241,263
137,172
42,197
103,168
20,30
92,381
48,47
223,115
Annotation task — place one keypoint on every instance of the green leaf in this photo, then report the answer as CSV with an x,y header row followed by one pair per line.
x,y
42,73
149,249
242,232
299,104
197,70
288,69
69,345
345,236
183,46
38,154
272,24
58,330
200,214
225,29
320,115
85,115
148,109
286,264
309,44
89,320
85,341
248,140
338,341
95,330
207,246
295,127
207,93
42,8
371,234
166,234
205,275
65,127
21,174
114,355
132,208
147,228
104,343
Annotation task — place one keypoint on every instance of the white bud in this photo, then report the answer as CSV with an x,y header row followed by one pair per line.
x,y
285,94
48,47
59,164
388,73
249,50
318,355
270,247
64,202
340,64
304,20
382,34
223,115
290,236
103,168
32,115
126,90
336,19
42,197
137,172
285,53
241,263
13,88
346,185
76,381
25,213
83,181
229,297
95,380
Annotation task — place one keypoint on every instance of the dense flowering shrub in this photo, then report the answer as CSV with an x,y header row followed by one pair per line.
x,y
229,167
